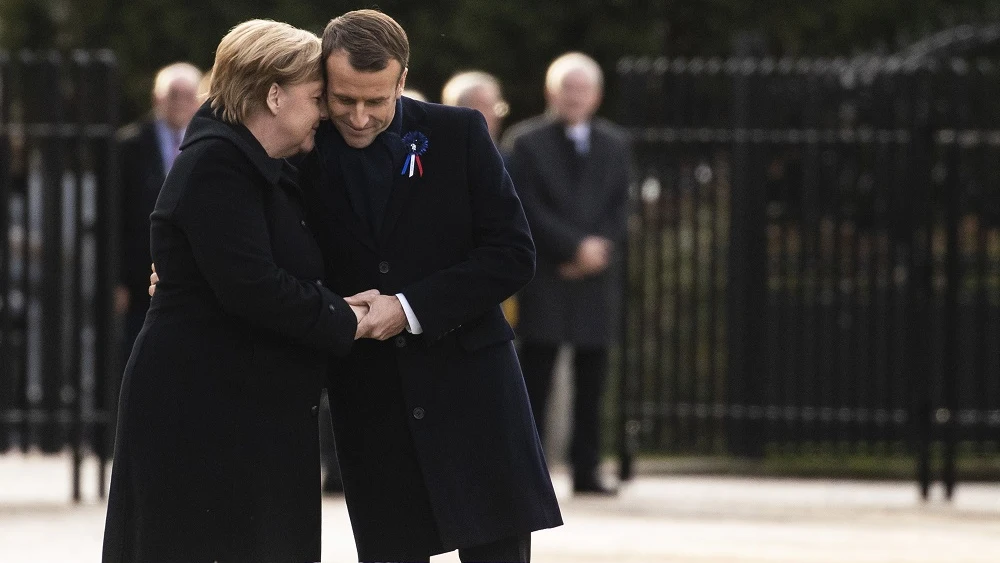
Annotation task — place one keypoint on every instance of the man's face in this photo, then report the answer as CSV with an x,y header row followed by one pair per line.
x,y
487,101
577,99
361,104
180,103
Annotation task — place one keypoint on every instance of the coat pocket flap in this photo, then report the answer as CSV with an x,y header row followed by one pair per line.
x,y
488,330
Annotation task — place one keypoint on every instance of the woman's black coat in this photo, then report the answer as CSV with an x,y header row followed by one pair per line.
x,y
216,454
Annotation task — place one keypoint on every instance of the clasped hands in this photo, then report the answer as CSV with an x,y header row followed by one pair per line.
x,y
379,316
592,257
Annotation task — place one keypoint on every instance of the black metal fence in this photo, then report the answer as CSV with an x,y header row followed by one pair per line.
x,y
814,259
57,202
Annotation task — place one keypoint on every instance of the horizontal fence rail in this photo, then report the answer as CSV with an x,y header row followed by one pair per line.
x,y
814,259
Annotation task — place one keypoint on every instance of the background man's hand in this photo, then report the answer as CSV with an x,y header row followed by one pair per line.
x,y
384,320
122,299
593,254
571,271
592,257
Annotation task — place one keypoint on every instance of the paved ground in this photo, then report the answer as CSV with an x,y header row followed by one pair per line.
x,y
655,520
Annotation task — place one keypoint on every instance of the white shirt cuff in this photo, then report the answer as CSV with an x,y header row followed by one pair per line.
x,y
412,324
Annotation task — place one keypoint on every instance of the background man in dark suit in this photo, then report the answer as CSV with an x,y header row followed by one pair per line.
x,y
146,150
572,173
434,432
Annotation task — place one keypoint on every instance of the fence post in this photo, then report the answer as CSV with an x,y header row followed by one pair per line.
x,y
920,289
747,278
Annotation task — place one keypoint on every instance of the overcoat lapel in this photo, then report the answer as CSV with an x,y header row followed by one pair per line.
x,y
404,187
334,197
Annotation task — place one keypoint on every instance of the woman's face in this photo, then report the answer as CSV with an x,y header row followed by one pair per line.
x,y
300,112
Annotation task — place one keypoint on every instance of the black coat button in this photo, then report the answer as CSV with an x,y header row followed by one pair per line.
x,y
383,267
418,413
400,341
315,411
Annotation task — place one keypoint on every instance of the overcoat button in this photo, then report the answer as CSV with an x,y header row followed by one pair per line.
x,y
418,413
315,411
383,267
400,341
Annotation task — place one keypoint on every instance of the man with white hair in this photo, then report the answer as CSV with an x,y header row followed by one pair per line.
x,y
480,91
572,172
146,150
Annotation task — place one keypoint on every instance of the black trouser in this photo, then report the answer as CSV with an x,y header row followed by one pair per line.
x,y
510,550
590,373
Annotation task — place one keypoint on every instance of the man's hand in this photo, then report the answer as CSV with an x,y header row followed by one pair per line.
x,y
593,254
384,320
592,257
153,279
361,305
121,299
571,271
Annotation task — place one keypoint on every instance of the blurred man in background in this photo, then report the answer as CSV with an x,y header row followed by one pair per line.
x,y
480,91
571,171
146,150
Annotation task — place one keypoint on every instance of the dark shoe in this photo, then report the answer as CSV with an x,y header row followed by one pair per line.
x,y
593,486
333,486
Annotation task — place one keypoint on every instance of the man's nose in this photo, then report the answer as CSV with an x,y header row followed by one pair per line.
x,y
359,118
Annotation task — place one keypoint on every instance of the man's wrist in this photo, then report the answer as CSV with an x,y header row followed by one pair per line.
x,y
412,324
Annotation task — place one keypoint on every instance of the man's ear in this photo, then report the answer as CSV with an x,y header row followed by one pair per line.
x,y
402,83
274,98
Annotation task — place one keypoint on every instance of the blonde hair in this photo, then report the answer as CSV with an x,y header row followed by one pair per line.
x,y
568,63
254,55
170,73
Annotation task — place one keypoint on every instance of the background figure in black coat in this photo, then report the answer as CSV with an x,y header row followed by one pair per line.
x,y
572,172
217,452
437,445
146,151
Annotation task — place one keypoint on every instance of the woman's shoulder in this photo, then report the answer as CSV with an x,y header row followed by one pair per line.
x,y
204,169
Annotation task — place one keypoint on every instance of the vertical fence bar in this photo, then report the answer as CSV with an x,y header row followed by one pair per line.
x,y
107,364
7,377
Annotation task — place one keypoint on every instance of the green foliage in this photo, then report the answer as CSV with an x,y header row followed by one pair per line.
x,y
514,39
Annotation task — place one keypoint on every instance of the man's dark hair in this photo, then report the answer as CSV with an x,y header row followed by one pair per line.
x,y
370,38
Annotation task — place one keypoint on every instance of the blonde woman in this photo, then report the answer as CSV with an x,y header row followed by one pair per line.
x,y
216,456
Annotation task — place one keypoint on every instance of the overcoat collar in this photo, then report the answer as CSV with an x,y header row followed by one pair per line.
x,y
207,125
410,116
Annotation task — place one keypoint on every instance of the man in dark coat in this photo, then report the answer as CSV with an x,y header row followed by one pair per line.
x,y
146,151
437,445
571,171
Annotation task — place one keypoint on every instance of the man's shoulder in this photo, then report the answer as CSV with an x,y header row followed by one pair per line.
x,y
529,127
612,130
136,131
526,131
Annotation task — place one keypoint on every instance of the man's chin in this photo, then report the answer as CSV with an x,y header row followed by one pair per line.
x,y
358,142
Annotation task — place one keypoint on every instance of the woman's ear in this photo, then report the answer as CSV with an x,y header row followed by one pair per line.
x,y
274,98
